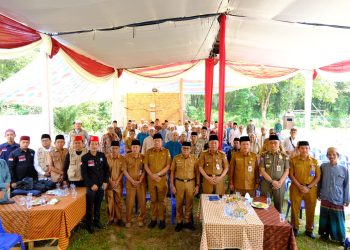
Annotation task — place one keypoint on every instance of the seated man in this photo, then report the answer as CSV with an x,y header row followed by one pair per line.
x,y
5,179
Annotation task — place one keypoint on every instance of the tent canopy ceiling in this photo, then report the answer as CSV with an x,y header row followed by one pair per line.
x,y
291,33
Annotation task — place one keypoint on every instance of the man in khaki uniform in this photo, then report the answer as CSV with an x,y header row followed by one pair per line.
x,y
305,174
72,170
184,170
56,159
157,163
113,193
274,167
244,170
129,140
135,184
41,162
213,166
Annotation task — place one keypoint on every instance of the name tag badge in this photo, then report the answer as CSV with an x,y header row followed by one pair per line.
x,y
91,163
140,173
217,166
101,159
21,158
250,168
4,150
278,168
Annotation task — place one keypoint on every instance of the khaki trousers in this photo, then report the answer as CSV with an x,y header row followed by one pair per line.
x,y
184,194
213,189
114,204
131,194
157,191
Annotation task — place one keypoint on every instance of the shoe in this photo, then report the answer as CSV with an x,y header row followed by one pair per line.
x,y
189,226
128,225
310,234
324,237
90,229
140,224
296,232
110,222
178,227
161,224
99,225
152,224
120,223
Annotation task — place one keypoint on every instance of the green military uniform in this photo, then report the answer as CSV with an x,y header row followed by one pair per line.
x,y
274,165
304,171
213,164
185,172
156,160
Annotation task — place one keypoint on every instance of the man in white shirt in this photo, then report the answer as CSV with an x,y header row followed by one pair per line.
x,y
148,141
234,133
290,143
187,131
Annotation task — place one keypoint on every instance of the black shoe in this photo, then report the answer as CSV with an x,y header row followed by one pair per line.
x,y
296,232
189,226
310,234
161,224
324,237
152,224
120,223
99,225
90,229
178,227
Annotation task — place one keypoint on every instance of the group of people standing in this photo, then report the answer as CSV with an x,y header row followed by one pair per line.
x,y
158,158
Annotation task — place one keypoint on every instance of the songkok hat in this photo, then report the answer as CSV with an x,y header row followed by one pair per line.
x,y
59,137
10,130
78,138
273,138
236,139
24,138
194,133
186,144
213,138
157,136
136,143
204,127
244,138
303,143
115,144
44,136
93,138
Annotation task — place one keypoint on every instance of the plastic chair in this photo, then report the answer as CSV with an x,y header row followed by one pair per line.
x,y
8,240
346,244
302,206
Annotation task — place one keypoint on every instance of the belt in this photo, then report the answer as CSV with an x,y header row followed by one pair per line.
x,y
214,175
184,180
161,175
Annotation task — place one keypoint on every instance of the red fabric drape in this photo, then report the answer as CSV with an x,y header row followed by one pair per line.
x,y
93,67
14,34
340,67
208,93
222,63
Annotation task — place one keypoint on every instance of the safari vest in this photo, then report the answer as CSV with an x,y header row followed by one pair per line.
x,y
43,159
74,171
57,159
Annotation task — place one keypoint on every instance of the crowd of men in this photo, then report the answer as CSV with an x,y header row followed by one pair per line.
x,y
186,160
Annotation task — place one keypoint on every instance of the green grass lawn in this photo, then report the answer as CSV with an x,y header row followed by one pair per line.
x,y
115,237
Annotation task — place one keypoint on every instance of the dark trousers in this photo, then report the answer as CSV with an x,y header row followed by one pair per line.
x,y
93,203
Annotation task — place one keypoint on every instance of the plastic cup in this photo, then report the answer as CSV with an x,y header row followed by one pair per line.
x,y
22,201
29,202
282,217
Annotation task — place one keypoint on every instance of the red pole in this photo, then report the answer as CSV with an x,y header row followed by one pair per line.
x,y
208,95
222,61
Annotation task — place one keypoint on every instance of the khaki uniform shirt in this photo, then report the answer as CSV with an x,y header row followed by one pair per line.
x,y
128,145
213,163
302,169
184,168
56,159
134,166
157,160
244,171
116,166
274,164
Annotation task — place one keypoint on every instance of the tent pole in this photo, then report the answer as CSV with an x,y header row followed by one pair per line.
x,y
222,63
47,107
208,91
182,100
117,112
308,76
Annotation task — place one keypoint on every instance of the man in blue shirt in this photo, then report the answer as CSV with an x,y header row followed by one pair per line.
x,y
9,146
333,191
174,146
5,179
143,134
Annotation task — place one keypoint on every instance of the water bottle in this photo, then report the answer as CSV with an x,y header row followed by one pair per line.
x,y
29,200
